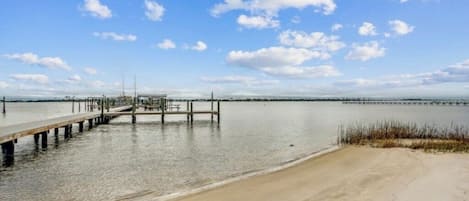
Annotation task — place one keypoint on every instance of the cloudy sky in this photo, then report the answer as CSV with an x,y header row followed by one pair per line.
x,y
317,48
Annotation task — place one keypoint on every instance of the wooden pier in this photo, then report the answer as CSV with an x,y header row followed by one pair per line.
x,y
9,135
410,102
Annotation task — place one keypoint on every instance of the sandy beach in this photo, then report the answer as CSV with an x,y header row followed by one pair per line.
x,y
355,173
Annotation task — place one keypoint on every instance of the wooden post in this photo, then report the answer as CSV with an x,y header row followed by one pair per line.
x,y
73,105
56,133
107,104
211,108
4,110
218,112
70,130
44,139
192,112
8,150
90,124
102,109
79,106
36,139
66,132
134,105
80,127
163,107
187,109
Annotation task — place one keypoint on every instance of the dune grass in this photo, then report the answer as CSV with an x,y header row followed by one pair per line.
x,y
388,134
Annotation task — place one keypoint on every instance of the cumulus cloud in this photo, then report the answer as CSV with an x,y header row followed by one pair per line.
x,y
271,7
400,27
257,22
366,51
166,44
97,9
115,36
34,59
337,27
37,78
245,80
74,79
367,29
90,71
314,40
281,61
153,10
199,46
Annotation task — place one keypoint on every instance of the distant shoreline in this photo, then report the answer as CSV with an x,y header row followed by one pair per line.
x,y
25,100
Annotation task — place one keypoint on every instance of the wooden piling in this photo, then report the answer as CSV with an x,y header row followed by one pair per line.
x,y
90,124
163,108
79,106
8,150
102,109
107,104
187,109
211,108
134,107
36,139
44,139
218,112
192,112
73,105
4,109
66,132
56,133
80,127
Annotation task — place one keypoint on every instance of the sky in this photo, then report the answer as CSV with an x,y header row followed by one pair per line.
x,y
307,48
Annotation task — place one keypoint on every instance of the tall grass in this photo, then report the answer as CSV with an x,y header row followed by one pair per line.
x,y
406,134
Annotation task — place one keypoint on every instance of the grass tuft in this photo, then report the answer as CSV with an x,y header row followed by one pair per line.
x,y
389,134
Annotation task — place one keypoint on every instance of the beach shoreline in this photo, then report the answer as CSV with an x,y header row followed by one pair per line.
x,y
349,173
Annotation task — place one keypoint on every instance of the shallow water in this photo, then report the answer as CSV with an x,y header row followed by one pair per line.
x,y
119,159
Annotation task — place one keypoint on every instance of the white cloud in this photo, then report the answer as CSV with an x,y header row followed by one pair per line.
x,y
281,61
337,27
273,57
257,22
400,27
246,80
154,11
315,40
34,59
296,19
96,9
199,46
115,36
366,51
271,7
403,1
38,78
74,78
367,29
166,44
90,71
4,85
303,71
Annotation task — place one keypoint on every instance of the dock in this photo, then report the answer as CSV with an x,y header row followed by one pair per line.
x,y
410,102
9,135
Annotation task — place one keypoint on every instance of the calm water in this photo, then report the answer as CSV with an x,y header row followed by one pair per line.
x,y
118,159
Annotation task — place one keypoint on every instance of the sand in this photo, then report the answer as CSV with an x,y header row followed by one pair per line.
x,y
354,173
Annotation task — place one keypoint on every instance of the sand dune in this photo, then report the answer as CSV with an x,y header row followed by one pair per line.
x,y
355,173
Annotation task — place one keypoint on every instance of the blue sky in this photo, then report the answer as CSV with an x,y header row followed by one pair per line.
x,y
317,48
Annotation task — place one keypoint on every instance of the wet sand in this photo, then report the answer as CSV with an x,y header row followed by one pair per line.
x,y
354,173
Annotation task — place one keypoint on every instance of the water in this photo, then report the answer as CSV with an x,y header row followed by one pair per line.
x,y
119,159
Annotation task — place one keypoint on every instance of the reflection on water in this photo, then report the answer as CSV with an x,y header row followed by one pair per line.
x,y
120,159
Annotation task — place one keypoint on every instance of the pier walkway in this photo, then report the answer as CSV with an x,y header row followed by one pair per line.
x,y
9,135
